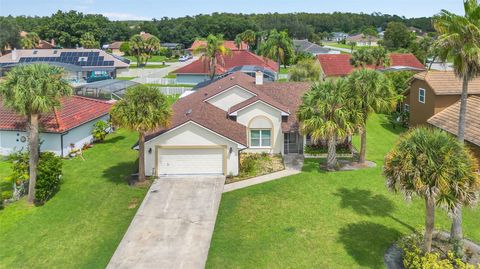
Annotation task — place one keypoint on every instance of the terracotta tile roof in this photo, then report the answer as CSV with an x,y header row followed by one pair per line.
x,y
447,120
229,44
194,107
447,83
74,111
237,58
334,65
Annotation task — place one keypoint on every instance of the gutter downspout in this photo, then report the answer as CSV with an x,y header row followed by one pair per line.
x,y
61,143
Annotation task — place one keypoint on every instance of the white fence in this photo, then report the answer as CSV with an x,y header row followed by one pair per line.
x,y
283,76
173,90
163,81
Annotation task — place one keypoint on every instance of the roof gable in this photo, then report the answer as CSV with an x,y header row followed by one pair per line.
x,y
447,83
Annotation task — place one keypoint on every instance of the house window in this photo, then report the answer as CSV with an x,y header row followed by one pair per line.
x,y
260,138
421,95
406,108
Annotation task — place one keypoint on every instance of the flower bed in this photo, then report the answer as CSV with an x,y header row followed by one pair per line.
x,y
257,164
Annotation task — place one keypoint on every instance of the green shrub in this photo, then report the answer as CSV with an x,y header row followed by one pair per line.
x,y
6,194
249,164
323,149
415,258
48,179
99,131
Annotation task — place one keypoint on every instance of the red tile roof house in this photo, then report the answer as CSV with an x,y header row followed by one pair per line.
x,y
71,124
211,126
227,44
198,70
338,65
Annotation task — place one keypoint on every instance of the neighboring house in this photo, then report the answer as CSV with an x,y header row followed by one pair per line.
x,y
66,128
362,40
172,46
211,126
115,48
432,92
339,65
306,46
81,65
447,120
198,71
339,36
229,44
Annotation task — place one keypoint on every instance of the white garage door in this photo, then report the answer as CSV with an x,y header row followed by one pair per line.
x,y
190,161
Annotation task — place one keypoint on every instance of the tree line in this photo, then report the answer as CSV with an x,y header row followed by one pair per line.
x,y
67,28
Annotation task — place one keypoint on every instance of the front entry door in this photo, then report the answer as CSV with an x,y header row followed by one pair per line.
x,y
293,143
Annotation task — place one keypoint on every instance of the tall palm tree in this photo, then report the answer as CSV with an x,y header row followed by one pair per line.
x,y
327,113
213,51
459,40
435,166
249,37
373,92
30,41
142,109
278,46
143,48
31,90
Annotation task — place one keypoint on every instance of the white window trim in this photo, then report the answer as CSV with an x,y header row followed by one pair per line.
x,y
260,147
424,95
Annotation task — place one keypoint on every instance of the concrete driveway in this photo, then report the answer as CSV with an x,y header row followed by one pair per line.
x,y
173,227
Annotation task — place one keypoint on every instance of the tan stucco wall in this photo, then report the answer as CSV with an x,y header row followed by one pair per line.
x,y
191,134
229,98
419,112
244,117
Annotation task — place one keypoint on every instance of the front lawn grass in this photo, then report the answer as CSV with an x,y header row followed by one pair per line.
x,y
125,78
339,45
322,220
154,59
81,226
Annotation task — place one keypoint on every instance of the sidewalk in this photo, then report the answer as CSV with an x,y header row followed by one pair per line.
x,y
293,166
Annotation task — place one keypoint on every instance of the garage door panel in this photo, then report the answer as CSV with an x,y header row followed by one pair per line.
x,y
179,161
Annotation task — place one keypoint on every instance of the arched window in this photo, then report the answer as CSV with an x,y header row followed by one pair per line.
x,y
261,129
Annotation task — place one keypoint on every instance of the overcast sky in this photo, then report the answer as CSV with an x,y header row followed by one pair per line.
x,y
148,9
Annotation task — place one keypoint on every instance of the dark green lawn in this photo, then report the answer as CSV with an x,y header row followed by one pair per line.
x,y
321,220
83,224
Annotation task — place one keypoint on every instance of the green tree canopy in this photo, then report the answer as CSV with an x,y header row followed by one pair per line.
x,y
397,36
278,46
88,41
212,52
30,41
143,48
306,70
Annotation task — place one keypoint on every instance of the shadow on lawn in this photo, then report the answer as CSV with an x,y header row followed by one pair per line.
x,y
114,139
364,202
366,242
121,172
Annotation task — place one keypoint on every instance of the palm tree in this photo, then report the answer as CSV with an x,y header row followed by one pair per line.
x,y
352,45
142,109
379,56
435,166
143,48
238,41
31,90
373,92
212,51
278,46
459,40
361,58
30,41
249,37
327,113
88,41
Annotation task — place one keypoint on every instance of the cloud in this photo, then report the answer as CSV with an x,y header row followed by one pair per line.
x,y
115,16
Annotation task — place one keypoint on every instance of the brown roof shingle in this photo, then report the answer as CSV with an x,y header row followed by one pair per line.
x,y
194,107
447,83
447,120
